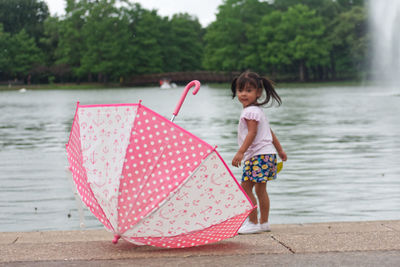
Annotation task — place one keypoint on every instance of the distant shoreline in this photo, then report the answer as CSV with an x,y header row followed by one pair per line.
x,y
82,86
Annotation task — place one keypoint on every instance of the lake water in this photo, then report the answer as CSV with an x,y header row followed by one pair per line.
x,y
343,146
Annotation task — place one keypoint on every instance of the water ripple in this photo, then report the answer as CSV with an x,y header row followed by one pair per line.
x,y
342,144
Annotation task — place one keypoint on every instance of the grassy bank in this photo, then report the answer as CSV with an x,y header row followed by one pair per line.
x,y
321,84
60,86
83,86
302,85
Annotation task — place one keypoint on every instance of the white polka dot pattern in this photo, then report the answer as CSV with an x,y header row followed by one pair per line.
x,y
209,235
209,197
159,157
150,181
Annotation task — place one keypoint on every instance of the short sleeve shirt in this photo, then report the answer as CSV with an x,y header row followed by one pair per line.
x,y
262,143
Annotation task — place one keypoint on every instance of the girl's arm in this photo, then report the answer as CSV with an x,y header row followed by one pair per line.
x,y
278,147
251,135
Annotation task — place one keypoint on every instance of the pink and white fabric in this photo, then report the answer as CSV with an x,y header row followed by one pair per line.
x,y
151,182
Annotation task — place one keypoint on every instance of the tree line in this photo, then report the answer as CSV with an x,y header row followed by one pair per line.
x,y
109,40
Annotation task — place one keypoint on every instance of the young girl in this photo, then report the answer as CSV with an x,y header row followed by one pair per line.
x,y
258,145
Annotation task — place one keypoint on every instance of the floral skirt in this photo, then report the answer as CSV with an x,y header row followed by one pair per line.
x,y
260,169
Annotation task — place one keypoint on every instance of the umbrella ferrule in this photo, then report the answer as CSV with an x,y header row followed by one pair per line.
x,y
116,238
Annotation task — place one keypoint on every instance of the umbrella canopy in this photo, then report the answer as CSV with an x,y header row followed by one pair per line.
x,y
150,181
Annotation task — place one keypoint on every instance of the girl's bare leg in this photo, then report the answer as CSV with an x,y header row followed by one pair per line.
x,y
263,201
248,188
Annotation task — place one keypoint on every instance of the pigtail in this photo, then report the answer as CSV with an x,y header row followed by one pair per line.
x,y
233,87
269,91
253,79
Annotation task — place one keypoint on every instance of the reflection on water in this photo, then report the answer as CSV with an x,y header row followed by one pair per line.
x,y
342,144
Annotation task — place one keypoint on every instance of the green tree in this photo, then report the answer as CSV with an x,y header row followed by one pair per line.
x,y
49,44
147,42
231,41
71,40
4,52
296,37
348,35
170,52
107,40
16,15
223,38
251,13
273,51
184,51
50,39
329,10
23,55
346,5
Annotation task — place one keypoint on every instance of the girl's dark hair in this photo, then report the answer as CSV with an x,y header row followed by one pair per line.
x,y
253,79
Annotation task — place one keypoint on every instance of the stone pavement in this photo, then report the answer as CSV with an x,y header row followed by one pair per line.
x,y
375,243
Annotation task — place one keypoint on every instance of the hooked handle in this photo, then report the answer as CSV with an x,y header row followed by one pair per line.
x,y
116,238
196,85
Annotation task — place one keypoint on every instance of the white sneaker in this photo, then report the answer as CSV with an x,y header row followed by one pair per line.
x,y
265,227
249,228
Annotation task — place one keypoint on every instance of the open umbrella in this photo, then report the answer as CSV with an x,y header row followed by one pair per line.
x,y
150,181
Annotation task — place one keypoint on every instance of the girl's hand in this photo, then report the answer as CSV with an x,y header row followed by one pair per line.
x,y
237,159
251,135
278,147
282,155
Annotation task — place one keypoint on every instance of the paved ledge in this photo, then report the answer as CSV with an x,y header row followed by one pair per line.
x,y
94,247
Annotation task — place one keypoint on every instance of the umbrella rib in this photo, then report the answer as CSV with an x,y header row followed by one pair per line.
x,y
165,144
88,187
241,216
172,193
148,174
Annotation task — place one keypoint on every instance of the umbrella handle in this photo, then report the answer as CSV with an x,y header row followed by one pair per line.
x,y
116,238
196,85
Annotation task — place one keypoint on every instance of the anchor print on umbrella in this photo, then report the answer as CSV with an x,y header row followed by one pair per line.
x,y
151,182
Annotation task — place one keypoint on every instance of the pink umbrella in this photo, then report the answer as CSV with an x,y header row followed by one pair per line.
x,y
150,181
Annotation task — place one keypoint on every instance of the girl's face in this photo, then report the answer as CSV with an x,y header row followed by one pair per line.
x,y
248,95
